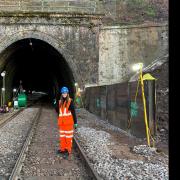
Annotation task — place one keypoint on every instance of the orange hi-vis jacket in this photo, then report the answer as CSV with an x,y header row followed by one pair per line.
x,y
66,124
65,116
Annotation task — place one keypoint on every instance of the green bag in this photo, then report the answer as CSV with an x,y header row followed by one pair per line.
x,y
134,109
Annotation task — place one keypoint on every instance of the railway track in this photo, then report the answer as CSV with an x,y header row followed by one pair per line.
x,y
90,169
24,162
37,157
3,122
18,165
6,120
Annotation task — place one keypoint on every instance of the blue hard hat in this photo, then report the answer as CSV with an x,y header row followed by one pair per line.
x,y
64,90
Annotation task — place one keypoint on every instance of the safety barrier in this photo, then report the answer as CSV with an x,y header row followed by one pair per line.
x,y
113,104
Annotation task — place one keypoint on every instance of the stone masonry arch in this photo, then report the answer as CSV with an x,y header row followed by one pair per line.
x,y
48,38
75,37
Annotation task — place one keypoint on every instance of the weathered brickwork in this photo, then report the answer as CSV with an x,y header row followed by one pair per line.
x,y
122,46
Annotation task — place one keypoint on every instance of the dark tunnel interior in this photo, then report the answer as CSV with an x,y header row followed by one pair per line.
x,y
39,66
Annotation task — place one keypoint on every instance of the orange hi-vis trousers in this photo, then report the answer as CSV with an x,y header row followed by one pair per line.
x,y
66,135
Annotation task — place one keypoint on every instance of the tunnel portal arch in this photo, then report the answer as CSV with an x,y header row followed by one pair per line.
x,y
54,41
45,38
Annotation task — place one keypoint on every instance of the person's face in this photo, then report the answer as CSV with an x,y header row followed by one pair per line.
x,y
64,95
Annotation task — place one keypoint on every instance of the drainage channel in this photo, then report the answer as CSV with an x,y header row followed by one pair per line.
x,y
38,157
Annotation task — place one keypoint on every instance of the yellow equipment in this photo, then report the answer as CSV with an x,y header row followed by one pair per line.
x,y
9,104
148,77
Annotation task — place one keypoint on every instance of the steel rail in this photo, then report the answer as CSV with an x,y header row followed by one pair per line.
x,y
10,118
89,167
15,114
17,168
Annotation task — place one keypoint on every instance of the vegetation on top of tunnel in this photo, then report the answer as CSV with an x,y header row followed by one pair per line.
x,y
142,9
125,12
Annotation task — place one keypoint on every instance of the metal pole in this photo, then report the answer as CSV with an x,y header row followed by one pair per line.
x,y
106,103
1,97
3,90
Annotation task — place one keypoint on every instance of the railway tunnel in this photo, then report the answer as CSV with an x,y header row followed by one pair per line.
x,y
38,65
52,44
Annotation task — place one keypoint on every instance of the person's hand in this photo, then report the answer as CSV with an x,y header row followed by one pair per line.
x,y
75,126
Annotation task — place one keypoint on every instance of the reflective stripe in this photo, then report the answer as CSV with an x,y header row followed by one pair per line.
x,y
62,135
61,131
65,114
68,132
69,136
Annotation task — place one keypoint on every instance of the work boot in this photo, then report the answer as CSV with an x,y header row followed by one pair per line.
x,y
68,156
61,152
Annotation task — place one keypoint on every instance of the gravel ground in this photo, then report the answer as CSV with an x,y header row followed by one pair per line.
x,y
42,159
116,155
12,137
5,116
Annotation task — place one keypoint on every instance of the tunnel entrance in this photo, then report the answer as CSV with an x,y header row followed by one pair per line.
x,y
38,65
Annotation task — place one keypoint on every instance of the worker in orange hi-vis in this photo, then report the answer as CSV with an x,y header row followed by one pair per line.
x,y
67,121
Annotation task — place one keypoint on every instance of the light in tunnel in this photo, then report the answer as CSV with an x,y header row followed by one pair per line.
x,y
30,43
137,66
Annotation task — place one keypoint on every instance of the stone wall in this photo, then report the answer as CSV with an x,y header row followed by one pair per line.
x,y
116,11
60,6
161,73
122,46
127,12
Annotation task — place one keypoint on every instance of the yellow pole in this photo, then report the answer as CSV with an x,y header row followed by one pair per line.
x,y
144,104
